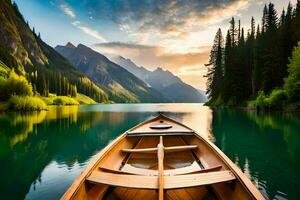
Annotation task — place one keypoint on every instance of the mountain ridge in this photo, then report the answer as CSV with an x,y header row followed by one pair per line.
x,y
119,82
164,81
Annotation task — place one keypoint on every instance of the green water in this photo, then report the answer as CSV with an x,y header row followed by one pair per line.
x,y
41,153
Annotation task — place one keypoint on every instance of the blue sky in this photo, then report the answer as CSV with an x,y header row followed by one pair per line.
x,y
172,34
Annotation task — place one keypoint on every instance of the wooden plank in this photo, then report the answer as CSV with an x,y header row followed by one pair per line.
x,y
97,192
145,126
139,171
166,149
194,168
120,180
160,156
193,180
179,194
129,169
180,148
160,133
147,150
137,194
151,182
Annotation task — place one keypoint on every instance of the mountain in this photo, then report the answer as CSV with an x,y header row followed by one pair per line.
x,y
203,93
22,49
171,86
140,72
120,84
18,46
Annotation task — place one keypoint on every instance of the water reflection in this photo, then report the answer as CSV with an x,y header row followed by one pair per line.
x,y
41,153
265,146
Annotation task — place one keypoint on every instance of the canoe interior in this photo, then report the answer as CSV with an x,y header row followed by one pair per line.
x,y
181,167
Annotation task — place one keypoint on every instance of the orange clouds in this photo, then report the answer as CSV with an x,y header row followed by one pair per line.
x,y
188,66
181,32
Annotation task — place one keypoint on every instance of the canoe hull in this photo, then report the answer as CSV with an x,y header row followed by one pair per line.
x,y
193,168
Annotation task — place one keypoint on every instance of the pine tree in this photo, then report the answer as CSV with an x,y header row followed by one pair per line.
x,y
285,40
271,19
252,27
216,68
297,10
241,70
282,18
250,49
239,30
233,32
227,86
271,69
264,19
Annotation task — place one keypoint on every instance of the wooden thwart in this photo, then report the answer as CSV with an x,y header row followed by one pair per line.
x,y
193,180
150,182
166,149
127,181
148,150
129,169
180,148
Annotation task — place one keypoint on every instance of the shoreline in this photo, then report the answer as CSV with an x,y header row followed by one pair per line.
x,y
289,108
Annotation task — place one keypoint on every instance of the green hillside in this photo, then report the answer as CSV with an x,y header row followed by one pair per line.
x,y
23,50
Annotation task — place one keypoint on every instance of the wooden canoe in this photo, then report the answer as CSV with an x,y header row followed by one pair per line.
x,y
162,159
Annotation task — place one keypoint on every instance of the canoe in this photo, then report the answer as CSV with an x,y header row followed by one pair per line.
x,y
162,159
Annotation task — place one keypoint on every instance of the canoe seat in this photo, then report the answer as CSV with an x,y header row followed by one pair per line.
x,y
194,168
151,182
166,149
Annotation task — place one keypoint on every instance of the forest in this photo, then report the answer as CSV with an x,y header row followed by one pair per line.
x,y
37,75
257,67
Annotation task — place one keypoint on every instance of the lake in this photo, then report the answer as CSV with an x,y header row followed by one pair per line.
x,y
42,153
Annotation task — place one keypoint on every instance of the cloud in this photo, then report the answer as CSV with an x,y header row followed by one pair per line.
x,y
92,33
124,45
67,10
166,17
75,23
181,31
153,56
89,31
188,66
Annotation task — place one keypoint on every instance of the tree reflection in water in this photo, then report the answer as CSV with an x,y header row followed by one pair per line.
x,y
41,153
266,146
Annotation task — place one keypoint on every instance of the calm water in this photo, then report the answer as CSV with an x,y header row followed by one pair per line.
x,y
42,153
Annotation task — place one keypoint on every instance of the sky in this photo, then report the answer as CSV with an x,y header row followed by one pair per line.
x,y
173,34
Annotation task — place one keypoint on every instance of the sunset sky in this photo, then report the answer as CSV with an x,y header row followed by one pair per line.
x,y
174,35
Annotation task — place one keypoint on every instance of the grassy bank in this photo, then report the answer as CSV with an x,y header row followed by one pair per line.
x,y
18,94
60,100
26,103
83,99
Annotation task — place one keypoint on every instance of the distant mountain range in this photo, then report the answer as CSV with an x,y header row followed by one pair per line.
x,y
169,85
121,85
92,73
